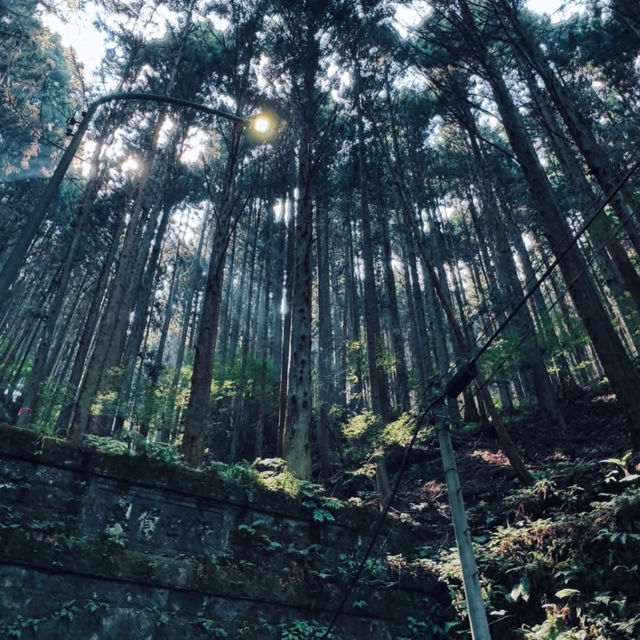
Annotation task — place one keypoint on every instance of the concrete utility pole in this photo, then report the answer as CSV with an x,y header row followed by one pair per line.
x,y
470,574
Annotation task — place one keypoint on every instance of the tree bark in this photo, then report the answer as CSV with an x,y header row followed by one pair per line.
x,y
325,339
196,416
580,130
621,373
375,347
286,328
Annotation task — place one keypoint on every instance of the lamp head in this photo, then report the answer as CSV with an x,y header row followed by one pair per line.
x,y
264,126
262,123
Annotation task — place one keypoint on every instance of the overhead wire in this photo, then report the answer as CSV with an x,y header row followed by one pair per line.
x,y
559,297
439,398
381,520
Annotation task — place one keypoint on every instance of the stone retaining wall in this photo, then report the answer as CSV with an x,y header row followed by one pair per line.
x,y
96,546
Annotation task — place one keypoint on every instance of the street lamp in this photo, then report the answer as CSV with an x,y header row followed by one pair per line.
x,y
262,124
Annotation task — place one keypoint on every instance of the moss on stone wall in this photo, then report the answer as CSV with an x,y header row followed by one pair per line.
x,y
185,553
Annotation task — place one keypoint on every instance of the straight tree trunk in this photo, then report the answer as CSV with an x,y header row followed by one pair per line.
x,y
196,417
460,341
619,369
238,411
168,418
297,427
264,338
234,332
621,274
593,153
402,378
90,327
377,379
286,328
117,309
225,312
156,369
353,327
507,271
325,340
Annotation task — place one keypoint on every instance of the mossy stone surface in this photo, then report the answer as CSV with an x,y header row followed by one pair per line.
x,y
97,545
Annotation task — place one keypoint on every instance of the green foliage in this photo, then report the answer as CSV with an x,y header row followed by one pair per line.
x,y
53,397
506,349
250,529
287,482
107,400
360,425
521,591
565,561
238,473
229,379
361,431
20,625
322,515
68,610
567,593
311,550
213,627
301,630
108,444
398,432
116,535
94,605
157,450
39,94
621,473
132,443
553,628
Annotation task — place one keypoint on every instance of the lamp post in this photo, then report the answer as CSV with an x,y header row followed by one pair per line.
x,y
9,272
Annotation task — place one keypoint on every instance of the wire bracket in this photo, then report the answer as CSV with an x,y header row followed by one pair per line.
x,y
461,380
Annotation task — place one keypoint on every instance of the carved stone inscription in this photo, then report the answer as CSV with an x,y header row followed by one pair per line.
x,y
162,519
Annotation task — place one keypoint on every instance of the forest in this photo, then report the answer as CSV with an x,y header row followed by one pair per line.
x,y
435,221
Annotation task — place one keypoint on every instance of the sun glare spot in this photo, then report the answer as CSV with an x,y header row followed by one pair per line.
x,y
130,164
261,124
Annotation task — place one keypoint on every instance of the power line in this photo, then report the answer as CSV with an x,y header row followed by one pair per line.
x,y
356,576
550,308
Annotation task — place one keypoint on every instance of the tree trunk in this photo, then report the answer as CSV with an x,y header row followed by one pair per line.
x,y
117,309
618,367
196,417
594,155
402,378
325,341
168,418
298,416
353,335
264,338
375,348
286,327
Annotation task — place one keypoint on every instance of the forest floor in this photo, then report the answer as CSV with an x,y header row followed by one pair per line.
x,y
559,559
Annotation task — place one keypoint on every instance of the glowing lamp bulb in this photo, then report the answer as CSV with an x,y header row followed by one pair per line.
x,y
261,124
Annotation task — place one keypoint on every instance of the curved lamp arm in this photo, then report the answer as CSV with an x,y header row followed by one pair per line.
x,y
13,264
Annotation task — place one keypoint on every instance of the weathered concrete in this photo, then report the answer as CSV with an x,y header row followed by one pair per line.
x,y
102,546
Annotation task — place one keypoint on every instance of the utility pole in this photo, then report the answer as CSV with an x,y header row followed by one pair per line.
x,y
470,574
